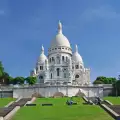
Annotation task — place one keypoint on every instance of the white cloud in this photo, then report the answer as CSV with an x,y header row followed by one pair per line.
x,y
102,12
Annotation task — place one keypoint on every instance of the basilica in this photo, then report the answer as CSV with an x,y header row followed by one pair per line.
x,y
62,66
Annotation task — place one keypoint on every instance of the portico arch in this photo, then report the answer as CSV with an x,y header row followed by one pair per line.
x,y
37,95
80,93
58,94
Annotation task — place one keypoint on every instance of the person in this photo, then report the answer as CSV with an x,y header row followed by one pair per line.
x,y
67,102
96,101
71,101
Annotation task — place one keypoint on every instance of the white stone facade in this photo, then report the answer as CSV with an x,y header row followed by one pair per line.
x,y
62,66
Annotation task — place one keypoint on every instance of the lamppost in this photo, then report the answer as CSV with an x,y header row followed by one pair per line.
x,y
88,92
118,77
116,85
67,90
1,90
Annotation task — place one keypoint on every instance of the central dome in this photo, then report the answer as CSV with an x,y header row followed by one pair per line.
x,y
60,39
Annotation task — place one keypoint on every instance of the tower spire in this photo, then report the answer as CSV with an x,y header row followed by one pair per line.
x,y
59,27
42,50
76,48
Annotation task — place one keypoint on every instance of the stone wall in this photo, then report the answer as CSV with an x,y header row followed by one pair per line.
x,y
107,91
5,94
49,91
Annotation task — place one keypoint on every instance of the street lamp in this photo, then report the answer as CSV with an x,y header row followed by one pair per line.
x,y
116,85
1,89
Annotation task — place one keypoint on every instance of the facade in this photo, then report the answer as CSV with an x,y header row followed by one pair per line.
x,y
62,66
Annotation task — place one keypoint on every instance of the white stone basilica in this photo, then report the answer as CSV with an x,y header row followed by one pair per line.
x,y
62,66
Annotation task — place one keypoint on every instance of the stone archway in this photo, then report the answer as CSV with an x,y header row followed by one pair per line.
x,y
41,78
80,93
37,95
58,94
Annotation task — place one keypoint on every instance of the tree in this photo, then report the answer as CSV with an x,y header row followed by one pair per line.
x,y
105,80
98,82
31,80
1,70
18,80
118,87
1,67
11,80
4,76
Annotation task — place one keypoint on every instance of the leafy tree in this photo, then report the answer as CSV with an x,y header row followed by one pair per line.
x,y
116,88
1,67
5,78
31,80
11,80
18,80
1,70
98,82
105,80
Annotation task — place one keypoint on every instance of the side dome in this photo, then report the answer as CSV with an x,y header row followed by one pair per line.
x,y
60,39
42,58
76,56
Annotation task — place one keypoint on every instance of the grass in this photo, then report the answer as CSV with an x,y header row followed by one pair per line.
x,y
5,101
114,100
60,111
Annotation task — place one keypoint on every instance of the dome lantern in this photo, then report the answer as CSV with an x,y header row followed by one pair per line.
x,y
59,27
42,50
76,48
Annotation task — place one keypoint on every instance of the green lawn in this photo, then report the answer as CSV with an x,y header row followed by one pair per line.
x,y
5,101
114,100
60,111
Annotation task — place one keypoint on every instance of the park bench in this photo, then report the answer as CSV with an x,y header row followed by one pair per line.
x,y
47,104
30,104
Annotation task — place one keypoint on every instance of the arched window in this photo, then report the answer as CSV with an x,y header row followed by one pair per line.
x,y
58,70
66,58
58,60
50,60
51,75
77,66
77,76
36,68
40,77
62,58
41,67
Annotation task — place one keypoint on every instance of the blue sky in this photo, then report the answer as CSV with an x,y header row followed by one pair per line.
x,y
92,24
